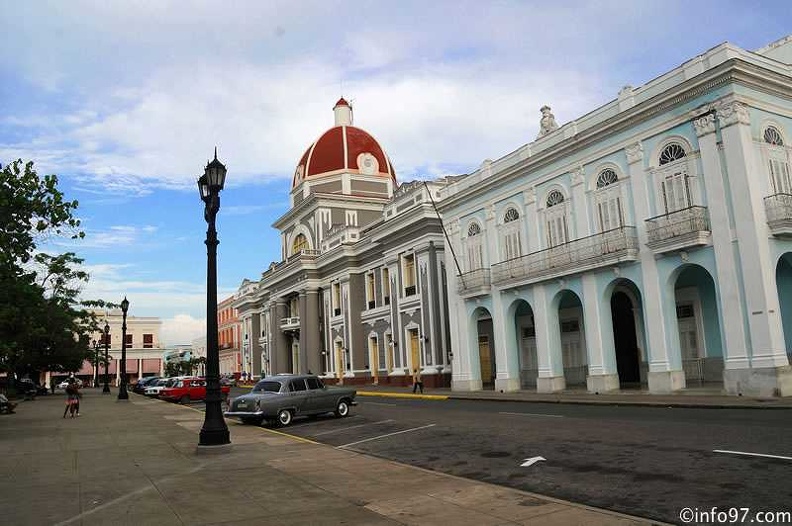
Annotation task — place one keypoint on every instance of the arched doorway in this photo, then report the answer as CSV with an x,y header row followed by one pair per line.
x,y
784,287
698,323
525,334
485,344
573,339
625,340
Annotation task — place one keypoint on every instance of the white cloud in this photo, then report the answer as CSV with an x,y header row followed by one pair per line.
x,y
182,329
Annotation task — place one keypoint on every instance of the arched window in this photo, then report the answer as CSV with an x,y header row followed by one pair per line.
x,y
608,200
511,234
473,244
554,198
672,152
606,177
773,136
299,244
674,181
556,220
778,159
511,215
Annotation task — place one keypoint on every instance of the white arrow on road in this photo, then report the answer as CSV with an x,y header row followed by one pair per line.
x,y
531,461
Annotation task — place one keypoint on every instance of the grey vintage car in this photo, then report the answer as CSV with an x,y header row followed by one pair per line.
x,y
281,398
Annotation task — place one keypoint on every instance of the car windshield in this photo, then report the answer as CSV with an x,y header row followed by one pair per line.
x,y
267,387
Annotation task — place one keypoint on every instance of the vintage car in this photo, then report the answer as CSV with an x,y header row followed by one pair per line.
x,y
281,398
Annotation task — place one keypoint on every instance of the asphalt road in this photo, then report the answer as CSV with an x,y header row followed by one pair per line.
x,y
645,461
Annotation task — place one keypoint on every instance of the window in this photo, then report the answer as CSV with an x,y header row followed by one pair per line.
x,y
314,383
370,290
556,219
778,162
300,243
608,200
386,286
336,299
675,184
408,274
148,341
672,152
267,387
297,385
511,234
129,340
474,251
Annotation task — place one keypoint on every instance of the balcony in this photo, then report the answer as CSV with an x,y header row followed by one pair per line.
x,y
778,208
474,283
587,253
290,324
686,228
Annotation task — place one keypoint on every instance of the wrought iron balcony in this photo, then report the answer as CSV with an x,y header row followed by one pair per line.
x,y
587,253
678,230
290,324
474,283
778,208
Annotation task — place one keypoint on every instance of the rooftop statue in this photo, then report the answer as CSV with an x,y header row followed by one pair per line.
x,y
547,123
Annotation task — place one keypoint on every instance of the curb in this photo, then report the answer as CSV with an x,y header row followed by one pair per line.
x,y
403,395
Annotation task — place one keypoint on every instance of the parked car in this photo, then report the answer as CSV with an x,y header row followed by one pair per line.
x,y
64,384
228,380
154,388
281,398
186,390
140,385
28,387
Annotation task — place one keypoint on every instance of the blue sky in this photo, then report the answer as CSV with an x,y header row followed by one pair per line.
x,y
125,101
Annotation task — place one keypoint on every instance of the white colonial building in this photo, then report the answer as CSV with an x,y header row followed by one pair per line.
x,y
646,243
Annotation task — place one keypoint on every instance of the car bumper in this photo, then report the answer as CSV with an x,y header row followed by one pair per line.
x,y
241,414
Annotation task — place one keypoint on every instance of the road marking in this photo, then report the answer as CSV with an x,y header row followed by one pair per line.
x,y
750,454
531,461
384,436
530,414
350,427
378,403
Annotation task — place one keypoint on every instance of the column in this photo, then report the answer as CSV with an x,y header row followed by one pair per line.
x,y
665,373
140,368
279,347
603,375
310,336
548,344
769,373
507,375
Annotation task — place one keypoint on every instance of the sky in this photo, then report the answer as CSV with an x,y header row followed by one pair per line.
x,y
126,100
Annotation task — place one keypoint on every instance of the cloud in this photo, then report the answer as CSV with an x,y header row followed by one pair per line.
x,y
182,329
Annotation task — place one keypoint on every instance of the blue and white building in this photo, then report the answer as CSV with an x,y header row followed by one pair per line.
x,y
647,243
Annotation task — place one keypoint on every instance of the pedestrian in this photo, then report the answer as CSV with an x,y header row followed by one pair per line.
x,y
417,381
52,385
72,400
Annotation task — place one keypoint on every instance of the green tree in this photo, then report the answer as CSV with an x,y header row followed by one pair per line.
x,y
43,323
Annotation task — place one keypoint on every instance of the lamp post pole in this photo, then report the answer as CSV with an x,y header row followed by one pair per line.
x,y
96,363
106,388
214,431
122,389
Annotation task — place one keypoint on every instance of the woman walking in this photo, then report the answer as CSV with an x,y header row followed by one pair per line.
x,y
72,400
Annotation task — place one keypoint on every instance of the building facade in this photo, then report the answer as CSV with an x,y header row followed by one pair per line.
x,y
229,337
647,243
359,294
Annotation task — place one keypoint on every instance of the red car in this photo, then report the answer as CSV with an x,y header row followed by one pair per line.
x,y
189,389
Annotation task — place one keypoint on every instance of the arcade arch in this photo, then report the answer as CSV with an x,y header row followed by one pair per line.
x,y
483,340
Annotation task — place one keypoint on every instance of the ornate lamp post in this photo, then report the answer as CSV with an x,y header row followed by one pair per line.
x,y
122,389
106,388
96,364
214,431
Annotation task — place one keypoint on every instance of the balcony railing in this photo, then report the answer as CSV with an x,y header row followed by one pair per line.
x,y
586,253
290,323
778,208
677,230
474,282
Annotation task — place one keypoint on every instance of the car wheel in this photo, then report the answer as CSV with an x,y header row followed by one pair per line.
x,y
252,421
342,409
185,400
284,417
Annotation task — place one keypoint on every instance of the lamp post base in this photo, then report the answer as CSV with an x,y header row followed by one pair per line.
x,y
122,394
214,437
106,389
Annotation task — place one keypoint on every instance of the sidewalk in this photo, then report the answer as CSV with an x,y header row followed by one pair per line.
x,y
136,463
693,397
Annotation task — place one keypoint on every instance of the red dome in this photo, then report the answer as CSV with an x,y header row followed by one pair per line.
x,y
341,149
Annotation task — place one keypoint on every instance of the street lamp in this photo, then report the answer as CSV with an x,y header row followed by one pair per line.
x,y
122,390
96,363
214,431
106,388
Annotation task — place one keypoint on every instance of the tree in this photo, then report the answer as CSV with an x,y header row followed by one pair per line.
x,y
43,323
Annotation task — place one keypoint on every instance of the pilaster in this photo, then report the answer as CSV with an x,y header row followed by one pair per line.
x,y
548,339
602,373
507,375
